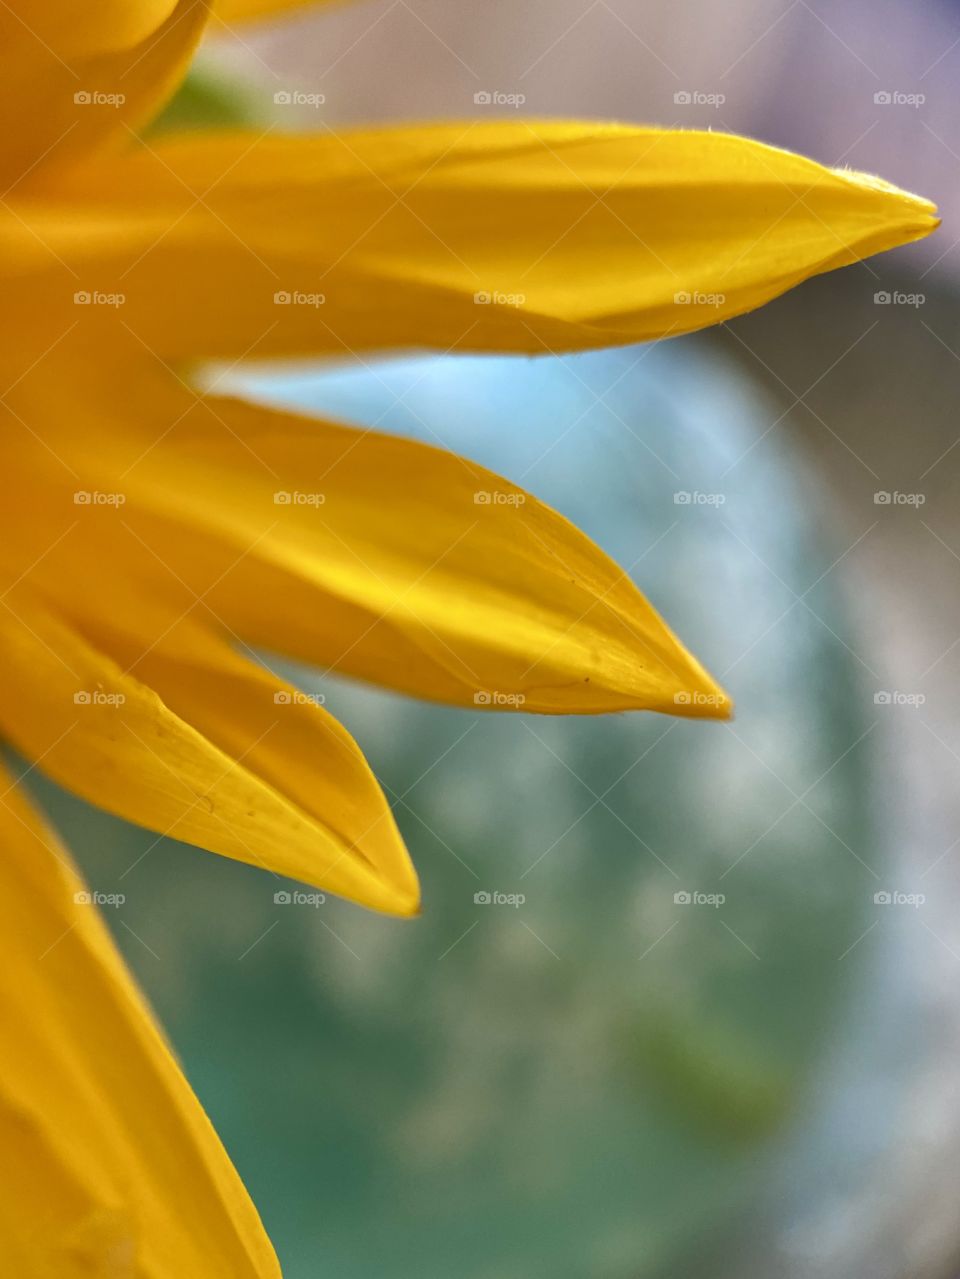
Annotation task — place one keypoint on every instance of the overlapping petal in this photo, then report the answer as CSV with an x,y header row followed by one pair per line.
x,y
157,721
73,30
110,1166
526,236
74,77
374,556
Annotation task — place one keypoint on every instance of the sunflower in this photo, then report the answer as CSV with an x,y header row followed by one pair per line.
x,y
158,532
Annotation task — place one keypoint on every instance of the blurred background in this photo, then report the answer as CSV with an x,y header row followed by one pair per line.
x,y
685,997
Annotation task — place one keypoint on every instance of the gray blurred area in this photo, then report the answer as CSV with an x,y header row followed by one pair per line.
x,y
881,418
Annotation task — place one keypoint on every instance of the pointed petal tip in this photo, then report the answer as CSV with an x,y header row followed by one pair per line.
x,y
406,887
385,896
914,212
398,897
409,905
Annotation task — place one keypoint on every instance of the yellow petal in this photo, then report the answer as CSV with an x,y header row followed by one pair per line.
x,y
73,31
521,236
215,761
74,77
371,555
110,1166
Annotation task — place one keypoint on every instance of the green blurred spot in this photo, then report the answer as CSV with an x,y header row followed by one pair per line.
x,y
707,1077
204,101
